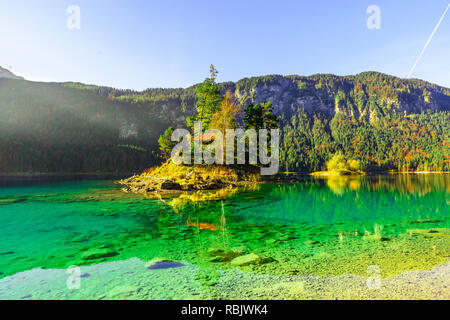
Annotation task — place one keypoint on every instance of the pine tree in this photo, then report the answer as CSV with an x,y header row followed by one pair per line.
x,y
165,143
208,100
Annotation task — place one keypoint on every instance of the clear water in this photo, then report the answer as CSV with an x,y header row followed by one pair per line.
x,y
323,227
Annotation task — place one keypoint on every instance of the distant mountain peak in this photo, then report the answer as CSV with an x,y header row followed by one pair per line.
x,y
5,73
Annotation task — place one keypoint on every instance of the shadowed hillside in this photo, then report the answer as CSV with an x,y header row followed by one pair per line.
x,y
50,128
384,121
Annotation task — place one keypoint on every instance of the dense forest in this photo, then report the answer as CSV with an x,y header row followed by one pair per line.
x,y
49,128
383,121
418,142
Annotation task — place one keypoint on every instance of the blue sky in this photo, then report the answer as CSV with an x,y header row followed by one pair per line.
x,y
143,44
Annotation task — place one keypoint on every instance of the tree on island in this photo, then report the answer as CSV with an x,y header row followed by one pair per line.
x,y
221,112
208,100
227,113
260,116
226,116
165,143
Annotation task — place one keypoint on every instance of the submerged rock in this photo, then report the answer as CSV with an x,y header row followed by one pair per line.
x,y
375,237
220,255
272,241
98,253
79,238
249,259
216,259
162,263
425,221
310,242
430,233
121,292
240,250
11,201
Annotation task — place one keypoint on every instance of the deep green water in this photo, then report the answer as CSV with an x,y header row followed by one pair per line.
x,y
325,227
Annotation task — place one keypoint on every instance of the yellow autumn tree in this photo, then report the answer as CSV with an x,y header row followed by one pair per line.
x,y
339,162
225,117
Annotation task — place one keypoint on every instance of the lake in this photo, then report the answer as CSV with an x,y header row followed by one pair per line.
x,y
382,236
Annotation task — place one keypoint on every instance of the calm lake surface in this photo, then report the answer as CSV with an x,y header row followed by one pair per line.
x,y
312,238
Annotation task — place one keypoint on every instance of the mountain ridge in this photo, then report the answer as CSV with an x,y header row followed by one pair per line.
x,y
111,127
318,93
5,73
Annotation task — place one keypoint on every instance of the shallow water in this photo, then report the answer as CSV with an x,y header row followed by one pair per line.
x,y
321,227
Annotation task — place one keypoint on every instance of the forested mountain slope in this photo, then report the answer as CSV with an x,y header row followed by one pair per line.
x,y
386,122
50,128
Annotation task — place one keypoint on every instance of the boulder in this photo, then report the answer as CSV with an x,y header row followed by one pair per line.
x,y
240,250
156,260
169,185
162,263
216,184
97,253
249,259
272,241
220,255
216,259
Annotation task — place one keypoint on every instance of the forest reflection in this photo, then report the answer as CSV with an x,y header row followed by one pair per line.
x,y
418,184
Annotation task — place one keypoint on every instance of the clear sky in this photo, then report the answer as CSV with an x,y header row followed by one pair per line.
x,y
168,43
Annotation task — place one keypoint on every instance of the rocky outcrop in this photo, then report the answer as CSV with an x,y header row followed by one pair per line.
x,y
368,94
169,185
172,177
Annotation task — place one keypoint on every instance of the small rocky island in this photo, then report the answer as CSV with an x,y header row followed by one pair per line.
x,y
172,177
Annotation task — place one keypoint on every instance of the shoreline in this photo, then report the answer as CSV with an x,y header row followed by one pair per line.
x,y
153,185
63,174
130,174
112,280
7,180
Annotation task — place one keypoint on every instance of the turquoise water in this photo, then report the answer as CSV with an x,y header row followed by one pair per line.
x,y
316,226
